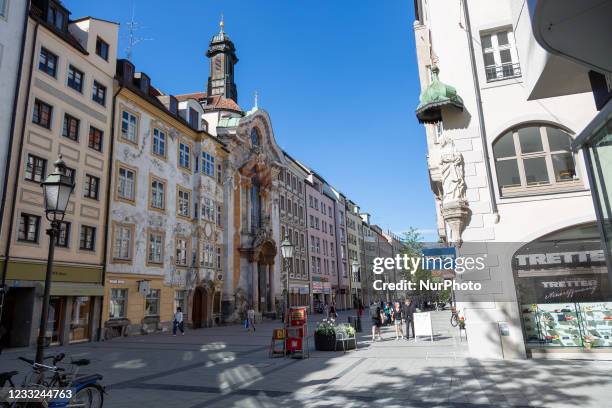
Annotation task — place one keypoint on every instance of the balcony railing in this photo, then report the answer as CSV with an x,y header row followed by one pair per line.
x,y
501,72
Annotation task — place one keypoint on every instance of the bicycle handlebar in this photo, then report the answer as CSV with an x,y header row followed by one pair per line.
x,y
27,360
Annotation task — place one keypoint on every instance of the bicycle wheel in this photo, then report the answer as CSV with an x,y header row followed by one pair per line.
x,y
89,396
454,320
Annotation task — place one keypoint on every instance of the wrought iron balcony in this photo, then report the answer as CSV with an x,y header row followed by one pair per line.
x,y
501,72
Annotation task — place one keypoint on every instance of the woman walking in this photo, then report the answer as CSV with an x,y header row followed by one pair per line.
x,y
251,319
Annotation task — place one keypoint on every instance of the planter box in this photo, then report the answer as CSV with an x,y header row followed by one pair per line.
x,y
328,343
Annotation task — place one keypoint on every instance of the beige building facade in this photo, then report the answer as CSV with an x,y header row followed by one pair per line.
x,y
63,108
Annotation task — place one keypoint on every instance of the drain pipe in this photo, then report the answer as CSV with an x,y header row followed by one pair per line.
x,y
108,204
481,124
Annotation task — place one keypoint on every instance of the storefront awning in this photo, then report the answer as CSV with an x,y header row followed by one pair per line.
x,y
436,96
76,289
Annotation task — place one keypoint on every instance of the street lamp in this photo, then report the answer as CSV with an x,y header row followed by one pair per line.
x,y
355,270
287,253
57,188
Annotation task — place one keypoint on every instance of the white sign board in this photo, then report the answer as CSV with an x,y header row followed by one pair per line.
x,y
422,325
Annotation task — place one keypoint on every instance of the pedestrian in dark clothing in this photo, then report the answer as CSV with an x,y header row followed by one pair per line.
x,y
409,310
375,315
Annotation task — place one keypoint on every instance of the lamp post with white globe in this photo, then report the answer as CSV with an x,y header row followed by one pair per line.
x,y
287,254
57,188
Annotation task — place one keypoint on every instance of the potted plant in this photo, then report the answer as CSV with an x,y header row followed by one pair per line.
x,y
325,336
588,341
461,322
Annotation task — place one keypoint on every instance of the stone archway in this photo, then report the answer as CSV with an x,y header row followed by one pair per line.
x,y
199,311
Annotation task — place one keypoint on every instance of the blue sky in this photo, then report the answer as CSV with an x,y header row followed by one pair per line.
x,y
338,78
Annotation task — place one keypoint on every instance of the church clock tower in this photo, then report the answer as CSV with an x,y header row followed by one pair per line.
x,y
222,54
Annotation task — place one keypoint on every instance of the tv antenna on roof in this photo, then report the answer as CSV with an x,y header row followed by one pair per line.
x,y
133,39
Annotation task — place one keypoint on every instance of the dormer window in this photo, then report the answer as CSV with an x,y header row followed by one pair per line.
x,y
56,18
102,48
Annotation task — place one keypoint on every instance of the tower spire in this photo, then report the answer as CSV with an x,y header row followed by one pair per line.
x,y
222,23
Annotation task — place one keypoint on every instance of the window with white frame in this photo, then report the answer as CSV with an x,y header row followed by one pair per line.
x,y
158,191
156,247
122,248
159,143
181,251
118,303
499,55
207,255
534,159
208,164
208,209
129,124
184,203
184,156
126,185
180,301
3,7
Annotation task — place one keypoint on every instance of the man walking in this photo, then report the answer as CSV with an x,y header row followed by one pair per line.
x,y
409,309
177,323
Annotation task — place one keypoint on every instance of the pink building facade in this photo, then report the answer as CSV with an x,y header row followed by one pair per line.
x,y
322,250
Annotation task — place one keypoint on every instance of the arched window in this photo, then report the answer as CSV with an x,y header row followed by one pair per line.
x,y
255,137
534,159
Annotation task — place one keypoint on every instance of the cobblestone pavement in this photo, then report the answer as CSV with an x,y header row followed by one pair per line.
x,y
227,367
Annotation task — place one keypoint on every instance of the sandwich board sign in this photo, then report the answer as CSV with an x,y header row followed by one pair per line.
x,y
422,325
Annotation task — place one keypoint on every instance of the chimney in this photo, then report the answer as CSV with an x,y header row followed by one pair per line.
x,y
170,103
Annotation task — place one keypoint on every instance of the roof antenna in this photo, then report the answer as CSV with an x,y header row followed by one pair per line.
x,y
133,39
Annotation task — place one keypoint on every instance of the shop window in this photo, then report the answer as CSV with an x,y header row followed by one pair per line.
x,y
80,319
152,302
534,160
118,303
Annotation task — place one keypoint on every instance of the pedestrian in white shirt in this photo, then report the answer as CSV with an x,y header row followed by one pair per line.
x,y
178,322
251,319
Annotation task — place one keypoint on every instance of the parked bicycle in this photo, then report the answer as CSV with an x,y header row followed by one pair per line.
x,y
85,390
454,320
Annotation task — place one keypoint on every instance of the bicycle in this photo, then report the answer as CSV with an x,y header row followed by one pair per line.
x,y
86,391
454,320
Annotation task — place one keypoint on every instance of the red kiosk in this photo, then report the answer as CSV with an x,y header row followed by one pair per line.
x,y
297,332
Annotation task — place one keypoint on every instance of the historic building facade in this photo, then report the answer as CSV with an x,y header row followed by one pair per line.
x,y
63,108
505,181
166,211
292,205
353,221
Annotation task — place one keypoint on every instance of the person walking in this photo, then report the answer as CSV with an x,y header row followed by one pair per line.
x,y
251,319
375,316
398,320
177,322
409,310
326,310
332,311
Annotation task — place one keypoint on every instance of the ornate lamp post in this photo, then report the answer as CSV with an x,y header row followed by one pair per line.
x,y
287,253
355,269
57,188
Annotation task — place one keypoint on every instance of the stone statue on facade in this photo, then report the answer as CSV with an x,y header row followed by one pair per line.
x,y
455,209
